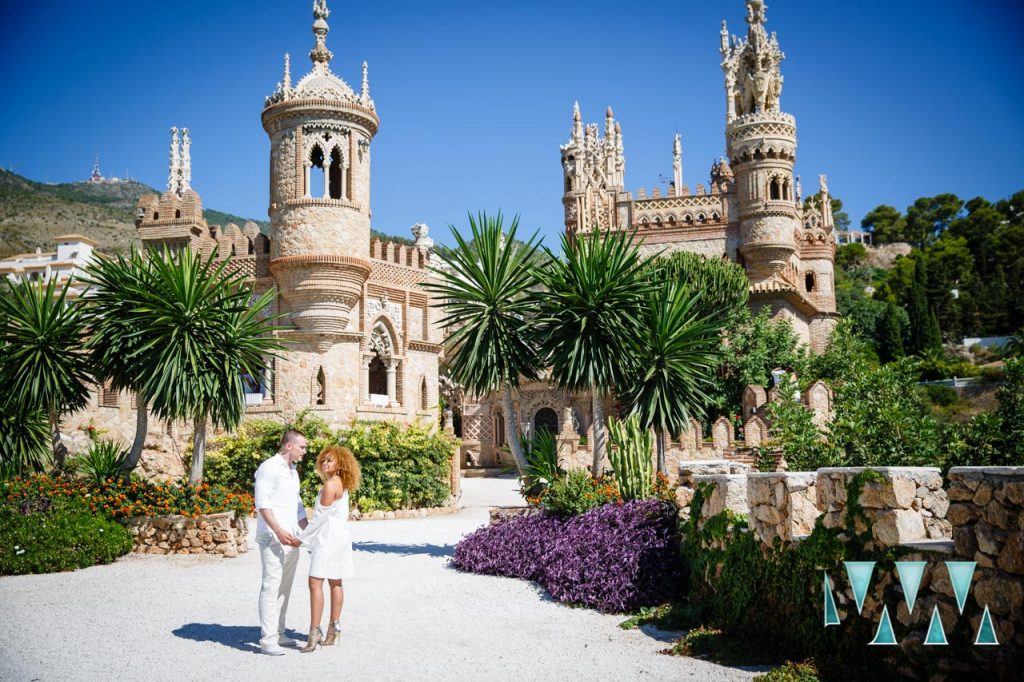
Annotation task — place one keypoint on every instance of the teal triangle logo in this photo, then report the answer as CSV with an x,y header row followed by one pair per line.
x,y
986,631
936,635
859,573
831,614
910,573
960,574
884,635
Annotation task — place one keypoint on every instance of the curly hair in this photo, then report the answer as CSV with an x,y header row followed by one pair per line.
x,y
348,467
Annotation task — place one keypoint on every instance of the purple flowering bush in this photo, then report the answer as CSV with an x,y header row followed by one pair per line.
x,y
613,558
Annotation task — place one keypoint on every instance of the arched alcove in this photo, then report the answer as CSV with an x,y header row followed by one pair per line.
x,y
546,419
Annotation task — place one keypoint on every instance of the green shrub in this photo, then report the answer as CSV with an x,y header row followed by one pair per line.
x,y
103,460
941,395
24,440
791,672
577,492
403,467
59,538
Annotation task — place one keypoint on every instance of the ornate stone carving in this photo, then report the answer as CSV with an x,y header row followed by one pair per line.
x,y
382,306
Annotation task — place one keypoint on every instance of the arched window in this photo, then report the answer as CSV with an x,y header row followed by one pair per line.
x,y
336,175
715,216
545,419
177,213
156,215
785,190
378,377
773,189
252,248
316,173
809,281
701,217
499,430
424,396
321,387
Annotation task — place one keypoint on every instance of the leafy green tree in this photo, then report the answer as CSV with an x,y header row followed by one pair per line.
x,y
679,348
590,311
804,446
115,343
43,365
924,329
928,217
723,286
197,335
1011,413
845,349
886,224
849,256
24,440
881,418
485,290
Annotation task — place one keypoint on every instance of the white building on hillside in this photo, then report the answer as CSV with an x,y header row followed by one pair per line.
x,y
74,252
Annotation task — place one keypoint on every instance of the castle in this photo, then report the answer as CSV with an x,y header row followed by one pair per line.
x,y
750,212
361,336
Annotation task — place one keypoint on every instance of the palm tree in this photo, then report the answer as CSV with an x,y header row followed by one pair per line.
x,y
590,311
196,334
484,287
678,350
43,365
114,343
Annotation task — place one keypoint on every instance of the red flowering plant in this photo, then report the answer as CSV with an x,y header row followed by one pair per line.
x,y
119,499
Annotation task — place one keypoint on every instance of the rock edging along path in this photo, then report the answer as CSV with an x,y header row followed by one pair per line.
x,y
408,616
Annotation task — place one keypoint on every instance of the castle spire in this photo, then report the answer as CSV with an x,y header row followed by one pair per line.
x,y
172,176
677,164
577,123
186,163
366,83
320,55
287,75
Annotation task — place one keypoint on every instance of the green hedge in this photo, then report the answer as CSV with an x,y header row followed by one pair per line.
x,y
404,467
48,538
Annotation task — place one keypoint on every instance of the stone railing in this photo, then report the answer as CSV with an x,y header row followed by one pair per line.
x,y
978,517
224,533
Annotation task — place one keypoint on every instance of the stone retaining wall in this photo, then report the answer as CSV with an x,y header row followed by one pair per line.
x,y
782,504
224,533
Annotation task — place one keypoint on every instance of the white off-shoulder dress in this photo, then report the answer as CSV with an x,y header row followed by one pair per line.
x,y
329,541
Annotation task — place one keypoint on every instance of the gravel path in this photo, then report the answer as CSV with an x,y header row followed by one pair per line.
x,y
408,616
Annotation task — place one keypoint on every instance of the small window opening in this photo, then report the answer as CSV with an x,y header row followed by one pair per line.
x,y
773,189
321,387
809,281
156,215
335,171
378,377
424,397
177,213
316,173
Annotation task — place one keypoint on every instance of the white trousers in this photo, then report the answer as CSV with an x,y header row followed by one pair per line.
x,y
279,564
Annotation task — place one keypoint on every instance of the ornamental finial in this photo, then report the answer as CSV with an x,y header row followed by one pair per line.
x,y
186,163
287,74
366,83
320,54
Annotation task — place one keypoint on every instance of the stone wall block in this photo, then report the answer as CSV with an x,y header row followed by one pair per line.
x,y
730,492
1011,557
898,526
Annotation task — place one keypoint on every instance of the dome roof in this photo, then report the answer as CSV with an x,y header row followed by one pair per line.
x,y
320,83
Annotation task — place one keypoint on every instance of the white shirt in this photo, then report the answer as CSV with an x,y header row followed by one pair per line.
x,y
277,489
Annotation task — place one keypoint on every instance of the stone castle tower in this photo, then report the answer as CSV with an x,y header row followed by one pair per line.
x,y
749,212
361,336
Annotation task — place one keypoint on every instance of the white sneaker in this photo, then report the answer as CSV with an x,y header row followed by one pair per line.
x,y
272,651
285,640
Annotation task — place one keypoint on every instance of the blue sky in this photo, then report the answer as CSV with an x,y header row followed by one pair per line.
x,y
893,100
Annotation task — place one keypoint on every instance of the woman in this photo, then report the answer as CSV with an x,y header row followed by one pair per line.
x,y
329,541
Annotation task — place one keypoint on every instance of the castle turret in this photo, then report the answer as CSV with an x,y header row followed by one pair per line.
x,y
320,132
761,145
593,172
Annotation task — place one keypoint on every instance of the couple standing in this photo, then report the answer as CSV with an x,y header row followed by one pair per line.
x,y
282,527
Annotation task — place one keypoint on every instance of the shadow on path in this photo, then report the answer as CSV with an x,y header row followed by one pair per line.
x,y
404,550
240,637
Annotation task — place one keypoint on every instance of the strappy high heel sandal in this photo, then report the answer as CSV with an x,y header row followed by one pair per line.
x,y
332,635
315,635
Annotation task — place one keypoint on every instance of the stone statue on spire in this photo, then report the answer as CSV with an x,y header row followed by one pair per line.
x,y
365,95
173,181
186,163
753,80
677,164
320,54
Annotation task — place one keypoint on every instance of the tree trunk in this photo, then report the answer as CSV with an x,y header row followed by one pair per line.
x,y
659,440
198,452
512,431
599,434
141,426
60,451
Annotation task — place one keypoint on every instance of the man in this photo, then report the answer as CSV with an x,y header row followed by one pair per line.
x,y
280,515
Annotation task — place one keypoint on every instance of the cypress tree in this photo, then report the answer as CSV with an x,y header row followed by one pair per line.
x,y
921,317
889,335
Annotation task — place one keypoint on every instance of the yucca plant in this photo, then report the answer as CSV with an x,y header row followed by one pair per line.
x,y
24,441
197,331
630,457
103,461
679,349
590,312
541,453
43,365
483,290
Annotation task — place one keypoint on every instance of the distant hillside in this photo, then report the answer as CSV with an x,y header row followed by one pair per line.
x,y
33,213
